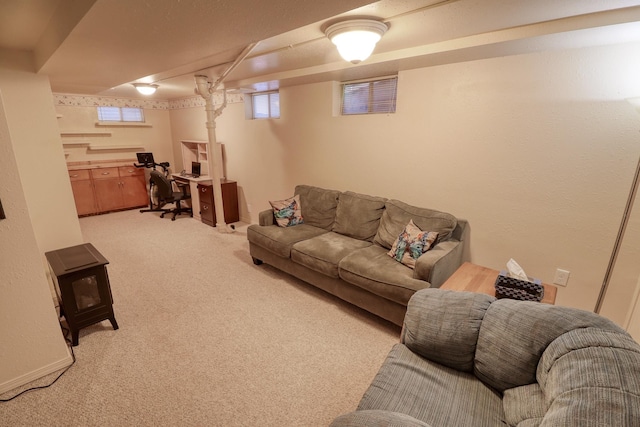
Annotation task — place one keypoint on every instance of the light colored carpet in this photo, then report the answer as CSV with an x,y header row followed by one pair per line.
x,y
206,338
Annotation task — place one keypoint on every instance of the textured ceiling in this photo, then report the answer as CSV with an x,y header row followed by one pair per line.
x,y
101,46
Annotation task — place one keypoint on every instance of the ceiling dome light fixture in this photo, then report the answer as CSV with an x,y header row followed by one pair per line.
x,y
357,38
146,88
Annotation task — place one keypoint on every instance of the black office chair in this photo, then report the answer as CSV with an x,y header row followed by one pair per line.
x,y
166,195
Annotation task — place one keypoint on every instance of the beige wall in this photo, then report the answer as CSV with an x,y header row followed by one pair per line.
x,y
32,342
537,151
253,153
155,138
186,124
38,151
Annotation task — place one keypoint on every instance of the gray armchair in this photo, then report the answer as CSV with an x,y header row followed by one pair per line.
x,y
467,359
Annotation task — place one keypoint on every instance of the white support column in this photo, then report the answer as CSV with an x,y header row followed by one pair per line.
x,y
215,167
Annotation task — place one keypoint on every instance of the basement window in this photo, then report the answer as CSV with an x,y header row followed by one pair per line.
x,y
120,114
376,96
265,105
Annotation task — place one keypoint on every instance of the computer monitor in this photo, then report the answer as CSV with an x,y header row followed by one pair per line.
x,y
145,158
195,169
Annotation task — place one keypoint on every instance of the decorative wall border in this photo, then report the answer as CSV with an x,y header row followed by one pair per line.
x,y
71,100
198,101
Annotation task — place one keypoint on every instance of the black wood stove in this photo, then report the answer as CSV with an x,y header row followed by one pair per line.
x,y
82,286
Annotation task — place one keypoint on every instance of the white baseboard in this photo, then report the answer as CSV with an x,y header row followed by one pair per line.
x,y
35,374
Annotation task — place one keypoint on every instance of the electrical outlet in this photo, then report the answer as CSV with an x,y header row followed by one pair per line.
x,y
561,278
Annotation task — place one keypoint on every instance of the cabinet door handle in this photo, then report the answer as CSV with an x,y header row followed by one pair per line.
x,y
74,175
204,190
130,171
205,208
106,173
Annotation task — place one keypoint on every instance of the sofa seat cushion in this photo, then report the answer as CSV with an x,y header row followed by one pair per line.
x,y
279,240
372,269
524,405
323,253
431,393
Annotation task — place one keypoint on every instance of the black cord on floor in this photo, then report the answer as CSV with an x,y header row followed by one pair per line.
x,y
66,332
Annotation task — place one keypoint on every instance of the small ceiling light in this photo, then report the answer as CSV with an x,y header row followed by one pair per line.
x,y
357,38
146,88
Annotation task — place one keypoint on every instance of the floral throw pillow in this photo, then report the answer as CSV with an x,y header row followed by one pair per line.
x,y
412,243
287,212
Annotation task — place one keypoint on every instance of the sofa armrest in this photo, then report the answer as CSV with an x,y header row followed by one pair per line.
x,y
438,264
266,217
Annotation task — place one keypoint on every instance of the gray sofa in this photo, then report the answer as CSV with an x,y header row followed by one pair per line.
x,y
467,359
342,248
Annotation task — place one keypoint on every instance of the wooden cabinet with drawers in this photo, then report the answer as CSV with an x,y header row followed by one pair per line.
x,y
105,189
83,193
106,183
134,186
229,199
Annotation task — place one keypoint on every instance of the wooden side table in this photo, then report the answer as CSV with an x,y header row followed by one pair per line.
x,y
475,278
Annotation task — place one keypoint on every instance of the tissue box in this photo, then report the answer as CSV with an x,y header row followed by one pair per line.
x,y
508,287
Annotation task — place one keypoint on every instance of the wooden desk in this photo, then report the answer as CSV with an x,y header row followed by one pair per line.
x,y
475,278
193,189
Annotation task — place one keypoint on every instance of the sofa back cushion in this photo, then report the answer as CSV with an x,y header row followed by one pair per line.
x,y
318,205
443,326
358,215
397,214
514,334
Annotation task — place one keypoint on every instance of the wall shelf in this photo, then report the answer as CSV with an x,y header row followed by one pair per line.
x,y
124,124
94,147
83,133
75,143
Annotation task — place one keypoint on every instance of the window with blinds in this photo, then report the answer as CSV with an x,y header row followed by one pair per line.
x,y
120,114
369,97
265,105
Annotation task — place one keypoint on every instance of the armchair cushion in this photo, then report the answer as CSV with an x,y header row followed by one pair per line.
x,y
443,326
514,334
433,393
377,418
524,405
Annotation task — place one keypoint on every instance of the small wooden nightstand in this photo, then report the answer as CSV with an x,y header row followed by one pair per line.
x,y
475,278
